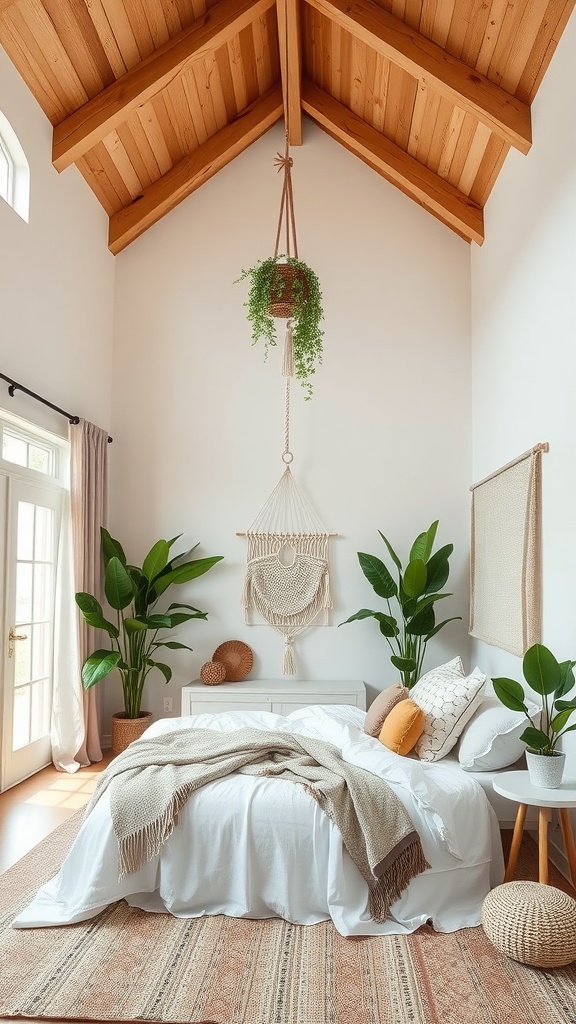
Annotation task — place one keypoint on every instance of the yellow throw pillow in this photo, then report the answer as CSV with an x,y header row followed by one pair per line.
x,y
403,727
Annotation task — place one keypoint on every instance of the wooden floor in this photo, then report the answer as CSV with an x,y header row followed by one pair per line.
x,y
30,811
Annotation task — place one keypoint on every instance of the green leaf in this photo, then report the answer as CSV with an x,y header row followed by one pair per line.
x,y
155,621
510,693
155,560
377,575
404,664
117,585
560,720
173,645
98,621
97,666
422,623
189,607
364,613
414,582
541,670
179,617
184,573
438,569
422,546
567,681
388,624
440,626
424,602
535,738
564,705
393,554
134,625
111,548
165,669
88,604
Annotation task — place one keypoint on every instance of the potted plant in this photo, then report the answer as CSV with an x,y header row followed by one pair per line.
x,y
284,286
415,594
552,680
138,633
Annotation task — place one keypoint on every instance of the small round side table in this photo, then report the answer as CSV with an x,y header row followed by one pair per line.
x,y
517,786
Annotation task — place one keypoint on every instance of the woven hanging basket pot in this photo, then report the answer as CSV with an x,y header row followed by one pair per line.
x,y
125,730
283,306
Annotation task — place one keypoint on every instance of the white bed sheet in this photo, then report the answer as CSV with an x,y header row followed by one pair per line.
x,y
260,847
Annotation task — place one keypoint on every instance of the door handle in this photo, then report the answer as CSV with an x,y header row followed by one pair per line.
x,y
12,636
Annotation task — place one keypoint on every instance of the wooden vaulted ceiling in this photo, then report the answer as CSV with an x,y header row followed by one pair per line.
x,y
150,98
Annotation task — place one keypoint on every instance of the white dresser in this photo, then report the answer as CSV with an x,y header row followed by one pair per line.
x,y
277,695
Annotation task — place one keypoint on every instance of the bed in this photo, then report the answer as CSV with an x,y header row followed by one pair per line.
x,y
254,847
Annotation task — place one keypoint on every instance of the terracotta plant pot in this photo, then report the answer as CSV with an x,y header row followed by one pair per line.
x,y
125,729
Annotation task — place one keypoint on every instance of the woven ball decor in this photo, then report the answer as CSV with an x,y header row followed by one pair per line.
x,y
212,673
532,923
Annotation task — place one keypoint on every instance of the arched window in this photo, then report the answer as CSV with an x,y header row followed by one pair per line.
x,y
14,170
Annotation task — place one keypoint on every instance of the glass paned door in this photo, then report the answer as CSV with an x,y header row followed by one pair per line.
x,y
31,551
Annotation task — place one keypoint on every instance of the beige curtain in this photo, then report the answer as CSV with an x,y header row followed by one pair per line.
x,y
89,505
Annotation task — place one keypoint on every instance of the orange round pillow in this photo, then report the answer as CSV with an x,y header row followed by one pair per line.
x,y
403,727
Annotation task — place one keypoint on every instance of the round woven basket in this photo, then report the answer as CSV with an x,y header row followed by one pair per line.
x,y
125,730
212,673
237,658
532,923
283,307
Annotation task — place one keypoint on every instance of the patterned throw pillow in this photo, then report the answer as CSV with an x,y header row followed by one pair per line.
x,y
402,727
381,706
448,699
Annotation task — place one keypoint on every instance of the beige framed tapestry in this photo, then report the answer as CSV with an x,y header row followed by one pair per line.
x,y
505,555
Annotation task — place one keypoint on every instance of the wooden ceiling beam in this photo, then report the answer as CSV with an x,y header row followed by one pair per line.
x,y
193,170
423,59
102,114
290,47
414,179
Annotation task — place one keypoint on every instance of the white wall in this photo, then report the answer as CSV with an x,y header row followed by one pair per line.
x,y
523,341
198,417
56,280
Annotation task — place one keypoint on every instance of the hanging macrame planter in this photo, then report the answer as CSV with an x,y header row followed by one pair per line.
x,y
287,574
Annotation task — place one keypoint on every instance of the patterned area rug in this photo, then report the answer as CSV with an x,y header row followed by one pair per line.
x,y
129,965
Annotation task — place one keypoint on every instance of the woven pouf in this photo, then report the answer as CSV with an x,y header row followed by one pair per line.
x,y
532,923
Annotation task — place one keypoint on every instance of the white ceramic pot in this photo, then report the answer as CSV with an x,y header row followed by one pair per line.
x,y
546,770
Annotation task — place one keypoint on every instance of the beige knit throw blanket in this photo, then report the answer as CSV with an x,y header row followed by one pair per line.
x,y
153,778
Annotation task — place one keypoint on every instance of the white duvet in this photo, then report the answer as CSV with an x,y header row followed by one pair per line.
x,y
261,847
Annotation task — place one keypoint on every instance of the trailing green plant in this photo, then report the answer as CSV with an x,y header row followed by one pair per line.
x,y
551,680
132,592
267,286
415,594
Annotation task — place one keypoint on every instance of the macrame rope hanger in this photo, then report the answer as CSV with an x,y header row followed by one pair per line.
x,y
287,575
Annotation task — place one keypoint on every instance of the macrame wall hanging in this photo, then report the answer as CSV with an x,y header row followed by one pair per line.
x,y
287,574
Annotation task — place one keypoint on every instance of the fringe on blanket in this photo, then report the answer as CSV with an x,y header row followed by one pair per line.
x,y
394,880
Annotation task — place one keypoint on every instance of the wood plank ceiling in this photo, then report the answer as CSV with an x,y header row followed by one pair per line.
x,y
150,98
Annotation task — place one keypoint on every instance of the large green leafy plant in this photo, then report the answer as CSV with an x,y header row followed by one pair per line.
x,y
415,594
551,680
268,285
136,636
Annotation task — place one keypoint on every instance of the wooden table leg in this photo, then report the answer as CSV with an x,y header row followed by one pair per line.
x,y
516,841
568,842
544,818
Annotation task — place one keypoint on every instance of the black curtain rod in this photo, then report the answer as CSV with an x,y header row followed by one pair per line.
x,y
14,386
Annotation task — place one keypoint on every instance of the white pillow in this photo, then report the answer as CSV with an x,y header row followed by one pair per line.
x,y
448,698
491,739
